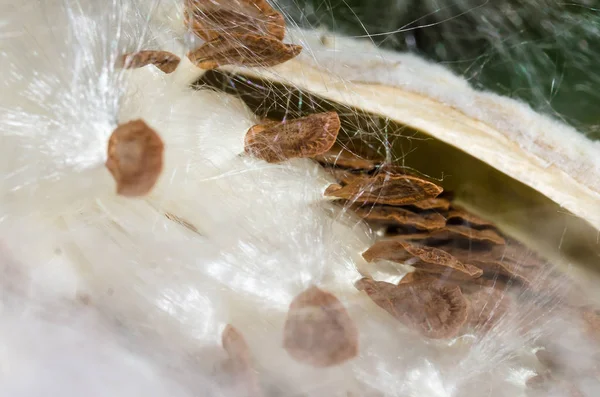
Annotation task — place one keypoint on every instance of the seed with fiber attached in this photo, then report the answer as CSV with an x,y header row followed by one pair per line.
x,y
318,330
437,311
243,50
163,60
396,216
135,158
430,259
211,19
391,189
304,137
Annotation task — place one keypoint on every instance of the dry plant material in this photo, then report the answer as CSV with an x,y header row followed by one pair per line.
x,y
389,215
303,137
430,259
464,217
440,204
318,330
135,158
492,264
344,177
338,156
417,276
243,50
239,363
163,60
212,19
436,311
486,236
487,306
390,189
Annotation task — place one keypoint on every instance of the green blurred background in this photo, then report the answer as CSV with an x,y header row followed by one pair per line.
x,y
544,52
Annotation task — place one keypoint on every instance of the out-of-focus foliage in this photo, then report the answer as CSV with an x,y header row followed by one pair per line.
x,y
545,52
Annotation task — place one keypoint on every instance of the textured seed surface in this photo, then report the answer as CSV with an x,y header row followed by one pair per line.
x,y
436,311
344,177
239,363
492,263
487,306
211,19
441,204
390,189
135,158
243,50
466,218
338,156
303,137
450,232
389,215
163,60
318,330
429,259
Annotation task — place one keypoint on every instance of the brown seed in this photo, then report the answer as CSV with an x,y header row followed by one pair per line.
x,y
135,158
318,330
389,215
430,259
239,363
492,265
163,60
464,217
438,203
211,19
331,188
344,177
303,137
487,306
418,276
487,236
338,156
436,311
243,50
391,189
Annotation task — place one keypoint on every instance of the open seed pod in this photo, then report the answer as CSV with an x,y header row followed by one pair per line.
x,y
493,209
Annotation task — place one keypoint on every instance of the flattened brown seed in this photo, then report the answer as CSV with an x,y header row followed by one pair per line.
x,y
431,259
318,330
243,50
343,177
239,363
438,203
437,311
458,231
469,219
399,216
209,20
487,306
163,60
135,158
491,266
338,156
418,276
303,137
391,189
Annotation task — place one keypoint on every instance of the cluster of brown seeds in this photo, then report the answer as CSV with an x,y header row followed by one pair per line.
x,y
237,32
461,263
